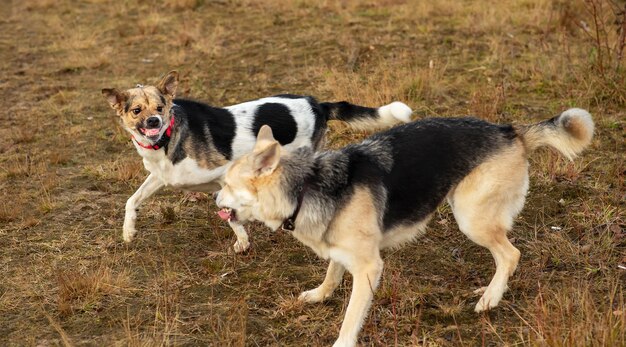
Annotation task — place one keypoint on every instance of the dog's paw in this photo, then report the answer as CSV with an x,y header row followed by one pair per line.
x,y
487,301
314,295
128,234
241,246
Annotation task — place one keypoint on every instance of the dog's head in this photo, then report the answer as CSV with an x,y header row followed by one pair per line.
x,y
145,110
252,189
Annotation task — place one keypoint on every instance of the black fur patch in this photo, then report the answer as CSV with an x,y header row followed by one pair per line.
x,y
177,154
219,122
129,102
279,118
346,111
429,158
321,119
409,169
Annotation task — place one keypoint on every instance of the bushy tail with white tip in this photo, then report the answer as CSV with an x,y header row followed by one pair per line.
x,y
368,118
569,133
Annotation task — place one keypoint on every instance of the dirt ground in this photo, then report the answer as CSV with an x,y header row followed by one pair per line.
x,y
67,168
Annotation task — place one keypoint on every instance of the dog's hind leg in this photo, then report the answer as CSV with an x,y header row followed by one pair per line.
x,y
506,257
150,186
484,205
242,242
333,278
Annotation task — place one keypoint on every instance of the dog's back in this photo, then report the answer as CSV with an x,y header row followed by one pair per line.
x,y
418,163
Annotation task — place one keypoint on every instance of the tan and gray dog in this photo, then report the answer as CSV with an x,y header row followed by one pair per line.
x,y
188,144
349,204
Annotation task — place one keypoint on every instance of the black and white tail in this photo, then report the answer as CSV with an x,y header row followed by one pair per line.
x,y
368,118
569,133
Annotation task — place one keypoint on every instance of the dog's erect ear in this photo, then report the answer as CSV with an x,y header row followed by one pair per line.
x,y
264,137
265,161
114,97
168,84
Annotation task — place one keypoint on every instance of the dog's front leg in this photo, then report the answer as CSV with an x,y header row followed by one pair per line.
x,y
333,278
242,242
149,187
366,275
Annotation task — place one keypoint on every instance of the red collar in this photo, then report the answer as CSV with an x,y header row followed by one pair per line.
x,y
164,140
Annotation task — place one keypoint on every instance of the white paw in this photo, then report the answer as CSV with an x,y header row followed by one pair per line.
x,y
487,301
314,295
241,246
128,234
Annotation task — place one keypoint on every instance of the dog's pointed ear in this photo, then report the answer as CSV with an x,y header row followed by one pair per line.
x,y
168,84
114,97
264,137
265,160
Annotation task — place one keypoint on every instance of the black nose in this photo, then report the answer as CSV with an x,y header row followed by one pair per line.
x,y
153,122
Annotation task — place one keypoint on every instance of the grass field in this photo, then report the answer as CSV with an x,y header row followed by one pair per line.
x,y
67,168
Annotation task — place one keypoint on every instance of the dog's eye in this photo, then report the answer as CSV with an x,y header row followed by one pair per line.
x,y
137,110
160,109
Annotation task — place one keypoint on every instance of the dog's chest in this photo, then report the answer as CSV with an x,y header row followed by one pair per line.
x,y
186,174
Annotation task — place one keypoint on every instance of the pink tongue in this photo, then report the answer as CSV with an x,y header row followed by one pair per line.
x,y
225,215
151,132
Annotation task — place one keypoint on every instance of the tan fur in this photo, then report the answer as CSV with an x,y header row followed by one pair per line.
x,y
400,235
147,99
571,134
242,177
352,241
484,203
207,156
578,130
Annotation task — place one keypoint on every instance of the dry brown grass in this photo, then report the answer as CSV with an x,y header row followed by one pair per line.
x,y
81,292
67,168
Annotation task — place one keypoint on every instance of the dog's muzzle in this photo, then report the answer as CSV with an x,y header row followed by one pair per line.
x,y
153,127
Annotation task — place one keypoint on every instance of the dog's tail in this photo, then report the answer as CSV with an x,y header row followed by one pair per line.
x,y
367,118
569,133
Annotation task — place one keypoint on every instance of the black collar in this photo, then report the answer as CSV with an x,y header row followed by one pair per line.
x,y
289,224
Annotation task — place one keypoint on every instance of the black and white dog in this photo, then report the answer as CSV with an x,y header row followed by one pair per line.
x,y
188,144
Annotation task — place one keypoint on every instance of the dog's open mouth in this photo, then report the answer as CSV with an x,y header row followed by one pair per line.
x,y
228,214
151,133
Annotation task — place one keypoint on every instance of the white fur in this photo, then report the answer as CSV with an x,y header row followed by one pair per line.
x,y
400,235
188,175
244,113
185,175
394,112
571,135
391,114
571,146
242,242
